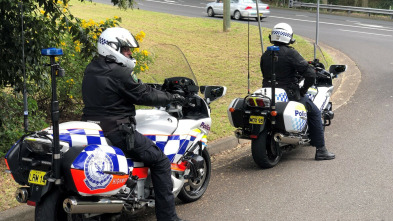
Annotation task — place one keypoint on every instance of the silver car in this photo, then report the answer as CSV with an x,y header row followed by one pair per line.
x,y
239,9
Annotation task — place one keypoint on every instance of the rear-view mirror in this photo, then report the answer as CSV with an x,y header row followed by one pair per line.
x,y
212,93
337,69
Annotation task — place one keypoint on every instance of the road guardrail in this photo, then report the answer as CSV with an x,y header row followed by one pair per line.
x,y
348,9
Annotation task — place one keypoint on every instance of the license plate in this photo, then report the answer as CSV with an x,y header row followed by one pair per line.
x,y
37,177
256,120
260,14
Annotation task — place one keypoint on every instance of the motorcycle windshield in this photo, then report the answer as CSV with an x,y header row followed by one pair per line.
x,y
167,61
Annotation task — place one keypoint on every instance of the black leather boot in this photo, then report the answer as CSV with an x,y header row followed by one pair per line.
x,y
323,154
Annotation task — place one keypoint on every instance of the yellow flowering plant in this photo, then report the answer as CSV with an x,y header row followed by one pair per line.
x,y
143,60
77,38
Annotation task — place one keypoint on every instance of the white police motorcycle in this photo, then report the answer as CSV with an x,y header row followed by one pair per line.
x,y
275,124
71,171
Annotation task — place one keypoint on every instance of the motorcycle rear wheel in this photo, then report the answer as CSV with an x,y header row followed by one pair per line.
x,y
193,189
265,151
51,207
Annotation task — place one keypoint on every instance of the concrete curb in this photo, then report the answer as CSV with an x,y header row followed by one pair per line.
x,y
345,88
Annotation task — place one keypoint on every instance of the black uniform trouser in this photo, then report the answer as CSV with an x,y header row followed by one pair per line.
x,y
160,168
314,122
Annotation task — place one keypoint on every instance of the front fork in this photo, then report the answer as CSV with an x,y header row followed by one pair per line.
x,y
327,115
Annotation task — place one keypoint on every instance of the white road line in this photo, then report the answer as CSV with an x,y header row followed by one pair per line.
x,y
174,3
368,25
359,25
368,33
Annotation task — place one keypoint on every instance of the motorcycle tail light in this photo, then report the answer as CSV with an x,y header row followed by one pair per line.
x,y
258,102
39,145
8,168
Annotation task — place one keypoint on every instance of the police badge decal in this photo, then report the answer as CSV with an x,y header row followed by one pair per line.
x,y
95,165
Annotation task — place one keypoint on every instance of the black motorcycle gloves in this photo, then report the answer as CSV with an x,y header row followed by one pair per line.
x,y
177,98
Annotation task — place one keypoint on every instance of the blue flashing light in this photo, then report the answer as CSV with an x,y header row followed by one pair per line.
x,y
52,51
273,48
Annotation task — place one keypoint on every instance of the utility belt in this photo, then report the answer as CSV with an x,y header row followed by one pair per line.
x,y
124,124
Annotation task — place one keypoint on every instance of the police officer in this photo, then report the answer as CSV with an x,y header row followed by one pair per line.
x,y
110,90
287,68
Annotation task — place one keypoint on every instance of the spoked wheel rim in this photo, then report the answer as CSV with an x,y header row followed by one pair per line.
x,y
195,185
194,188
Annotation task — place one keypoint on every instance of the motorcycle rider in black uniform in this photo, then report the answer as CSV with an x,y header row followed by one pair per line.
x,y
288,67
110,92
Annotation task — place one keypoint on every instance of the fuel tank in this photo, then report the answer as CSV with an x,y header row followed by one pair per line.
x,y
155,122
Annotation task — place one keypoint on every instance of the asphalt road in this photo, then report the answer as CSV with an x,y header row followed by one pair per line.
x,y
357,185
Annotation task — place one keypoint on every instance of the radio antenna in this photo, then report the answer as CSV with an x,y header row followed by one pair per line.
x,y
25,106
248,56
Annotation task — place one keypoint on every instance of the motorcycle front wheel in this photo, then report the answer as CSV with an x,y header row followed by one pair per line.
x,y
194,188
265,151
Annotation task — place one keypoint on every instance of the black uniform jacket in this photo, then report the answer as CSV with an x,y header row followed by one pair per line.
x,y
110,92
289,67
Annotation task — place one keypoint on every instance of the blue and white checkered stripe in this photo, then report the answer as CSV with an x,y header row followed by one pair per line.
x,y
102,41
281,33
282,97
311,96
173,146
82,137
298,123
117,157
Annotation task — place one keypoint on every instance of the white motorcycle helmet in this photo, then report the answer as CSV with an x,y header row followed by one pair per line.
x,y
112,40
282,32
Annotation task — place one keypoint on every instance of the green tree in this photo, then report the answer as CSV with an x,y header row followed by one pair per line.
x,y
40,32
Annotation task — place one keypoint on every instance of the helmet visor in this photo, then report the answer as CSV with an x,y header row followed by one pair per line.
x,y
130,42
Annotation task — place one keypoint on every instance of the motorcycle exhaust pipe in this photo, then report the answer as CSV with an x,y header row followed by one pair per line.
x,y
22,195
73,205
280,138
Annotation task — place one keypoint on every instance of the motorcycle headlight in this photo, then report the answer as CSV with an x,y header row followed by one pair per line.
x,y
37,145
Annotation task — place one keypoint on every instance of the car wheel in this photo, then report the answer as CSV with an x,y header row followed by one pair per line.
x,y
210,12
237,15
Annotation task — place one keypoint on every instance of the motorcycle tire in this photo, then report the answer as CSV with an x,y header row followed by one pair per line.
x,y
51,207
193,189
265,151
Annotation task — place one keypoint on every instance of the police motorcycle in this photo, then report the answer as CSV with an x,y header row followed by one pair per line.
x,y
70,171
272,122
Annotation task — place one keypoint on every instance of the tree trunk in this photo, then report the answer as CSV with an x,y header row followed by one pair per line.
x,y
227,16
